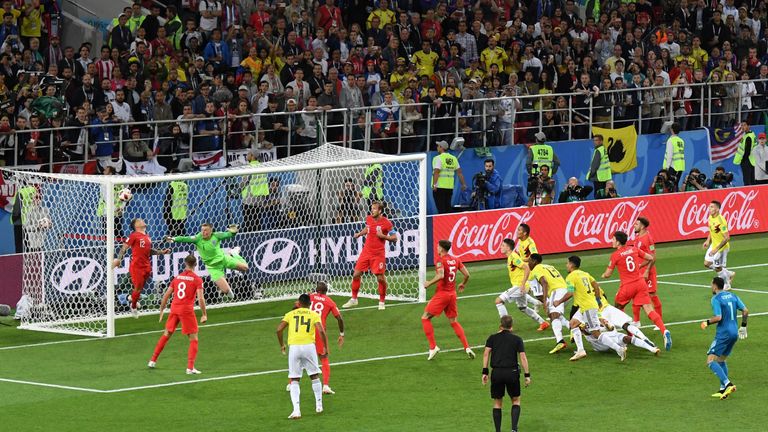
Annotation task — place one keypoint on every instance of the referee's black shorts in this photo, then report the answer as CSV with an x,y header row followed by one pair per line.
x,y
505,379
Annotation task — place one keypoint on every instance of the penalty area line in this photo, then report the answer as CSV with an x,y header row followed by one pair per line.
x,y
707,286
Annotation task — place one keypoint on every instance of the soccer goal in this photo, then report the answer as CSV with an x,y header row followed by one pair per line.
x,y
296,216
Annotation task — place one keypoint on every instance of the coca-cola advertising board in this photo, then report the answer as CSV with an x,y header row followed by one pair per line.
x,y
477,236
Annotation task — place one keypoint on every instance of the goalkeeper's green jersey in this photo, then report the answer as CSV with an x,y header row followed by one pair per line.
x,y
210,250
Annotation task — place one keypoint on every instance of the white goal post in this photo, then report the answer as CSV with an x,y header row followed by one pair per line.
x,y
296,218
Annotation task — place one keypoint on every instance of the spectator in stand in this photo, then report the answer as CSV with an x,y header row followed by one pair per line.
x,y
103,134
573,191
136,149
761,160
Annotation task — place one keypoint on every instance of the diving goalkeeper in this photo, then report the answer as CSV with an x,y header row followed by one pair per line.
x,y
208,244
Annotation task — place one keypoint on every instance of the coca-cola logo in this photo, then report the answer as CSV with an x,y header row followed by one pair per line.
x,y
596,228
478,239
736,209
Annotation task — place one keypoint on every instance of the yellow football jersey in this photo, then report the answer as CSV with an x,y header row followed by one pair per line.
x,y
525,248
514,267
580,282
554,280
301,326
717,227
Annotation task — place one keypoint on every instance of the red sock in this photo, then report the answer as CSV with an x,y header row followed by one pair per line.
x,y
325,365
429,331
657,305
159,347
656,318
459,330
355,287
192,354
135,295
636,312
382,291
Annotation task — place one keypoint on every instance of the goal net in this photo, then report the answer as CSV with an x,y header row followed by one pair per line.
x,y
297,218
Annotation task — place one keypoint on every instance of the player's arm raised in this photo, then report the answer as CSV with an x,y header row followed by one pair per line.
x,y
280,328
463,283
486,357
201,302
164,301
123,249
439,274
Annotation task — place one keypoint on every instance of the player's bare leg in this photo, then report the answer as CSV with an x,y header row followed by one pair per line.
x,y
356,276
159,348
654,316
429,331
192,355
381,279
224,287
557,329
459,330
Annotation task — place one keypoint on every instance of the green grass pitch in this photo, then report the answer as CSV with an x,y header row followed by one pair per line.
x,y
384,381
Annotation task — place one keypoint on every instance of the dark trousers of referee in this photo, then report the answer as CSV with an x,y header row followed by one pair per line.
x,y
443,197
505,380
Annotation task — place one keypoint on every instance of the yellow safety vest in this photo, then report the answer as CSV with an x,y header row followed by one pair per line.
x,y
678,153
373,183
257,185
448,167
604,171
542,155
26,194
740,152
179,200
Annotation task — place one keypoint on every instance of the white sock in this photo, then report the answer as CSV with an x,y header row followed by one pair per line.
x,y
295,393
725,274
317,387
532,300
564,321
608,341
576,333
502,309
636,341
533,314
635,331
557,329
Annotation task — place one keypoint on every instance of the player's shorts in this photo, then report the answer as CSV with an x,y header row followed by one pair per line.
x,y
514,294
719,259
505,379
722,346
375,263
600,347
636,292
188,323
220,270
140,276
615,316
441,302
302,358
556,295
535,287
589,318
320,345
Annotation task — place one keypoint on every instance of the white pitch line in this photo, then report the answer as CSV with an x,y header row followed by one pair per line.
x,y
346,310
707,286
57,386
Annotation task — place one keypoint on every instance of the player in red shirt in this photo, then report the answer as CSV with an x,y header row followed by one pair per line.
x,y
373,256
444,299
324,305
140,268
632,285
644,242
185,288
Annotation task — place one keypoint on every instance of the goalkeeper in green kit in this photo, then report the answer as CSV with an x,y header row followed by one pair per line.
x,y
208,244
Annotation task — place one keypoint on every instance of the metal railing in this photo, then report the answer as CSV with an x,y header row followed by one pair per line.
x,y
411,128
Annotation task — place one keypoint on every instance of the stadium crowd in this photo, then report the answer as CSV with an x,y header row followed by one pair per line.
x,y
261,74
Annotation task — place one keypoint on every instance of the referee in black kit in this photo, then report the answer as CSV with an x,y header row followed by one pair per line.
x,y
503,348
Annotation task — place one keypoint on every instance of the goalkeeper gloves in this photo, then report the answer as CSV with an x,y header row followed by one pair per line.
x,y
233,228
742,332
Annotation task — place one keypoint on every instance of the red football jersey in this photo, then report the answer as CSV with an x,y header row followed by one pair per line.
x,y
451,266
185,288
141,249
323,305
373,244
627,259
645,244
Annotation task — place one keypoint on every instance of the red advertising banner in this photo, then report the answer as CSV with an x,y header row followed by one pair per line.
x,y
556,228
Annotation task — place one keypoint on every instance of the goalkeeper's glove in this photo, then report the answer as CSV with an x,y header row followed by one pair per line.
x,y
233,228
742,332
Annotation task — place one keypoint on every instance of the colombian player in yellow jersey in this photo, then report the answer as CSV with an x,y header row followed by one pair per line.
x,y
525,247
518,274
554,288
302,323
717,244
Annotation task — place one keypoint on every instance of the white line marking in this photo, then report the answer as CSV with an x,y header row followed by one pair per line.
x,y
90,339
707,286
64,387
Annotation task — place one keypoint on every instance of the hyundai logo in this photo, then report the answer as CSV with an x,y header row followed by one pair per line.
x,y
277,256
77,275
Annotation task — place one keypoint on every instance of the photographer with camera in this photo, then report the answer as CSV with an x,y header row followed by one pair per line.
x,y
720,179
695,181
608,192
486,192
541,186
574,191
662,184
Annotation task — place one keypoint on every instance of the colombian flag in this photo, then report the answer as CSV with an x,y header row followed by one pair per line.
x,y
621,145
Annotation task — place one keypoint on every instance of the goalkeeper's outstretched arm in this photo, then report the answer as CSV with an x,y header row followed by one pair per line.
x,y
181,239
